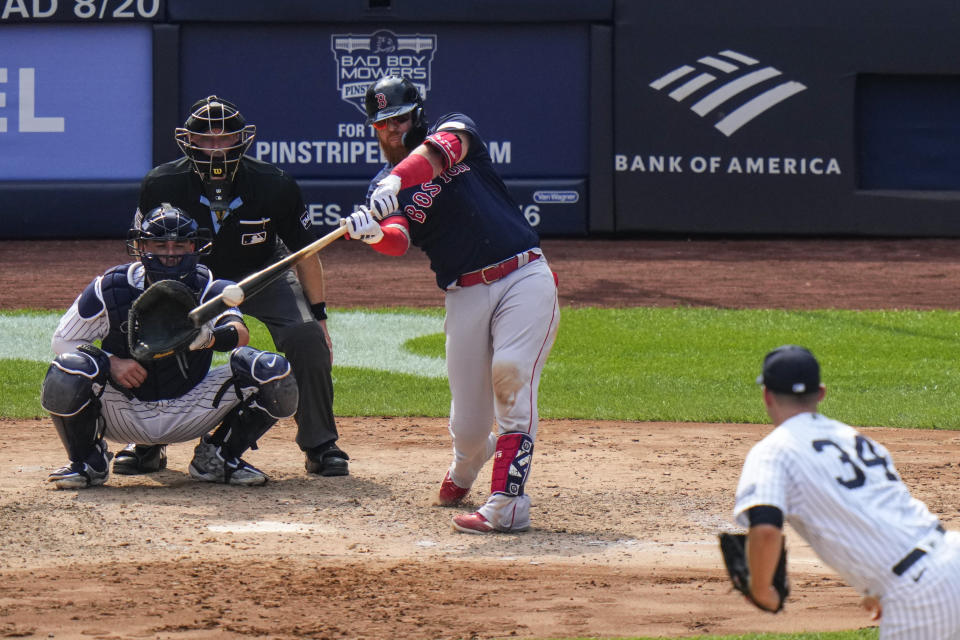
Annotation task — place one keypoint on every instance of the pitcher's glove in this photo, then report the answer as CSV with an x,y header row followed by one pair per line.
x,y
158,325
733,548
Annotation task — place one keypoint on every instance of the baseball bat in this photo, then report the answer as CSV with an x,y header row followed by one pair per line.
x,y
255,282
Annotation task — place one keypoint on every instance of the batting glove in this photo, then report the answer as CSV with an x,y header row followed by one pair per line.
x,y
362,225
382,207
384,198
204,339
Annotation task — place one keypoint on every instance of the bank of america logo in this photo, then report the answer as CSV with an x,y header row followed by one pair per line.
x,y
738,76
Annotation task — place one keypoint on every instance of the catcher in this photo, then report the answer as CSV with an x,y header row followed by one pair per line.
x,y
150,381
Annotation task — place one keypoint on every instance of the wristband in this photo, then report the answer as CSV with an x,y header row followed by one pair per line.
x,y
225,338
319,310
449,146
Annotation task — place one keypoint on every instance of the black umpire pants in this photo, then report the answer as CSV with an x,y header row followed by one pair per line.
x,y
283,308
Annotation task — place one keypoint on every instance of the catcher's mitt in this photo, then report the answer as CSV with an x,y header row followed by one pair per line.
x,y
733,548
158,325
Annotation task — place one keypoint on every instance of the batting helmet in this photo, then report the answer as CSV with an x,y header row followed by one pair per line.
x,y
214,137
392,96
167,223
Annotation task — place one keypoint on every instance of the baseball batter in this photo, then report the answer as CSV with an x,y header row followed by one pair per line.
x,y
840,491
440,192
95,393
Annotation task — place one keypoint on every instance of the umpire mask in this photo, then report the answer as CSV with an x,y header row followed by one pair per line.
x,y
214,138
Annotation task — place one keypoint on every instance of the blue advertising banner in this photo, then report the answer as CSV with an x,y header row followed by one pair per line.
x,y
551,207
75,102
303,87
91,11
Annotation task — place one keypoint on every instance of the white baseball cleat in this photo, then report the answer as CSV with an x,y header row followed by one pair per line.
x,y
80,474
210,465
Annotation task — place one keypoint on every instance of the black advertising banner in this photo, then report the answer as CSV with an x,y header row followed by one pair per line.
x,y
747,117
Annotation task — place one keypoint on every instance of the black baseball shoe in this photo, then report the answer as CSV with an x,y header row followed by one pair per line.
x,y
135,459
327,460
91,472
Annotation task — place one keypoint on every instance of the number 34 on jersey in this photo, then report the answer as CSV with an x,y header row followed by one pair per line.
x,y
858,463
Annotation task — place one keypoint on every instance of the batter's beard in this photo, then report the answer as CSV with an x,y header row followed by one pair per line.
x,y
393,150
395,154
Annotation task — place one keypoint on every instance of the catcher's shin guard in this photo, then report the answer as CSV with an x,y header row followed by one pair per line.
x,y
70,393
241,428
511,464
80,432
271,374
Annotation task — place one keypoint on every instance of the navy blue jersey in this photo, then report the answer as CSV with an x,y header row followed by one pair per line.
x,y
464,219
114,292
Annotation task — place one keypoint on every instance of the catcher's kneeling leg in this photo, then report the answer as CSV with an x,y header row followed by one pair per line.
x,y
276,397
240,429
270,372
70,393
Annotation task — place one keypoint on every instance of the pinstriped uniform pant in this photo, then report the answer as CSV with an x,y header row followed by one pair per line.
x,y
175,420
925,604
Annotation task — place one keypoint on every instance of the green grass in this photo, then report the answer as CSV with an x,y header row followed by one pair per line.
x,y
20,381
882,368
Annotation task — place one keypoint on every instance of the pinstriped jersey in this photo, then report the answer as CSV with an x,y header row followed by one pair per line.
x,y
840,491
464,219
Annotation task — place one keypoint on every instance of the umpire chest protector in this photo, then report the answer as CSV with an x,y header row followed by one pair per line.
x,y
164,380
266,208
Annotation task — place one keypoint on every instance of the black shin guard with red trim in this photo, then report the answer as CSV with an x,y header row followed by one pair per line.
x,y
511,464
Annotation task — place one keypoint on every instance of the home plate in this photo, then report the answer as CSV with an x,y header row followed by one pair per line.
x,y
264,526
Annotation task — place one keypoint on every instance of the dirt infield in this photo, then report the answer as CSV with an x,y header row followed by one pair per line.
x,y
624,514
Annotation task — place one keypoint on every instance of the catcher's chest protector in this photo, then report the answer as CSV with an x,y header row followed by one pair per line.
x,y
164,378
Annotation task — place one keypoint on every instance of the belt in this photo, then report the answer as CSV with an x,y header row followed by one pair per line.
x,y
494,272
911,558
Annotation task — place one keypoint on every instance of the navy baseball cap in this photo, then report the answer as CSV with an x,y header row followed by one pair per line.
x,y
790,369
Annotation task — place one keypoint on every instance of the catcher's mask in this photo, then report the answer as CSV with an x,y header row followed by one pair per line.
x,y
214,138
393,97
169,243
